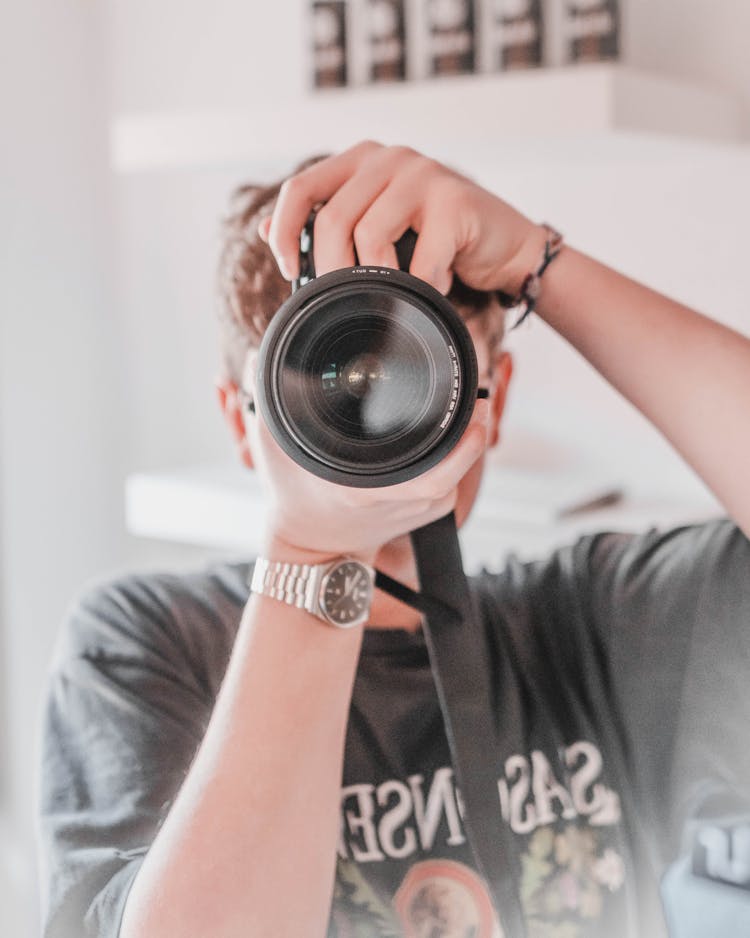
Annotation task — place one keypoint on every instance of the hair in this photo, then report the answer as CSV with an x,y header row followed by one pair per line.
x,y
251,288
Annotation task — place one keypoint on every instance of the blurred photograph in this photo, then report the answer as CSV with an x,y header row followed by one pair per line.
x,y
374,394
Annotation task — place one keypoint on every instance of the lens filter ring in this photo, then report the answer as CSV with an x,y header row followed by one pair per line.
x,y
367,377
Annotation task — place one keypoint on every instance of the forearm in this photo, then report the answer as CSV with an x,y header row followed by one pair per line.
x,y
249,846
689,375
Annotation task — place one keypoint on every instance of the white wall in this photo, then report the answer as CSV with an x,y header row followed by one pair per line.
x,y
673,222
704,40
201,57
61,403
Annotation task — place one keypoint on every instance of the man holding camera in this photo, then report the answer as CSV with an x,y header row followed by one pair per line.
x,y
198,734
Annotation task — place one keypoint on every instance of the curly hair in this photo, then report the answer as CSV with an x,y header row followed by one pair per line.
x,y
251,288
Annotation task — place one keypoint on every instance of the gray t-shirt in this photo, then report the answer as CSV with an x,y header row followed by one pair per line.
x,y
621,674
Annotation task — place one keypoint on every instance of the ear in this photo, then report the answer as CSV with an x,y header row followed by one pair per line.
x,y
502,374
230,403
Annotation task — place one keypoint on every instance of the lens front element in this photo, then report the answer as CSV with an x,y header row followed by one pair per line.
x,y
364,381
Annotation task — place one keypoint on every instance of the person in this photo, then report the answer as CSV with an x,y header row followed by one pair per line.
x,y
220,763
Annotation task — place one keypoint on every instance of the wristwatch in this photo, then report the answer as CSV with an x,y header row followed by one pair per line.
x,y
339,592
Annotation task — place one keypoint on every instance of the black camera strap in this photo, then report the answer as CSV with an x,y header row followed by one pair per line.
x,y
461,662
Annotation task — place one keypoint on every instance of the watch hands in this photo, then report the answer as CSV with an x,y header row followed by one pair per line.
x,y
350,584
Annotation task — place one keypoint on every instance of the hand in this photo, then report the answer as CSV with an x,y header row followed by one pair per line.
x,y
311,519
373,193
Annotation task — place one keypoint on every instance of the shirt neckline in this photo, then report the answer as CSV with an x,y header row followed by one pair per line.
x,y
391,641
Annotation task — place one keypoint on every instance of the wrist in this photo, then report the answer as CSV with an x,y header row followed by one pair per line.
x,y
524,261
279,548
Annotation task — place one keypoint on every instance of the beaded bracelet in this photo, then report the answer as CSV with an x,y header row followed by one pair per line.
x,y
531,287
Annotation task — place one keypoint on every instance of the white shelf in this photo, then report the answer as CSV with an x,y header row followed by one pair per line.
x,y
449,117
221,507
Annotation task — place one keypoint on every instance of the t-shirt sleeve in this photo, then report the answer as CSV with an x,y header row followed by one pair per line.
x,y
126,709
672,613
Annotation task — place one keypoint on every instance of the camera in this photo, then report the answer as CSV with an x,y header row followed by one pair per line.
x,y
367,376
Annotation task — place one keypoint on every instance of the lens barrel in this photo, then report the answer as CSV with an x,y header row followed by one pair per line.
x,y
367,376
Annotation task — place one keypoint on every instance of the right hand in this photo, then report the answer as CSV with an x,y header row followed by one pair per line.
x,y
311,519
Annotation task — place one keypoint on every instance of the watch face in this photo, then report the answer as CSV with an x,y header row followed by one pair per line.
x,y
347,594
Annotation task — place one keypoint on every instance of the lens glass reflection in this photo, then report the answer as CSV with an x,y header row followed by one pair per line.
x,y
375,380
367,380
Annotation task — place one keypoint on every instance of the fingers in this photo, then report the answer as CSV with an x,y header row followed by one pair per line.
x,y
359,520
434,253
439,481
300,193
338,223
386,219
371,195
442,478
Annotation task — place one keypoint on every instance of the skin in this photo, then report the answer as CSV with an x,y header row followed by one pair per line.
x,y
249,844
689,375
397,510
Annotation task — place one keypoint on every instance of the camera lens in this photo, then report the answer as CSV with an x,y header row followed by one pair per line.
x,y
366,389
364,383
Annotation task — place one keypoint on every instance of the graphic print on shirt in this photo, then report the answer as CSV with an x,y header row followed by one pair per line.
x,y
572,868
442,897
567,877
437,899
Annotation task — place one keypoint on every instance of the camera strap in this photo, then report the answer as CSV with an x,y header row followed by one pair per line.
x,y
461,661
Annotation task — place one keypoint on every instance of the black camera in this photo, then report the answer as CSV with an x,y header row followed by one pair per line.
x,y
367,376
